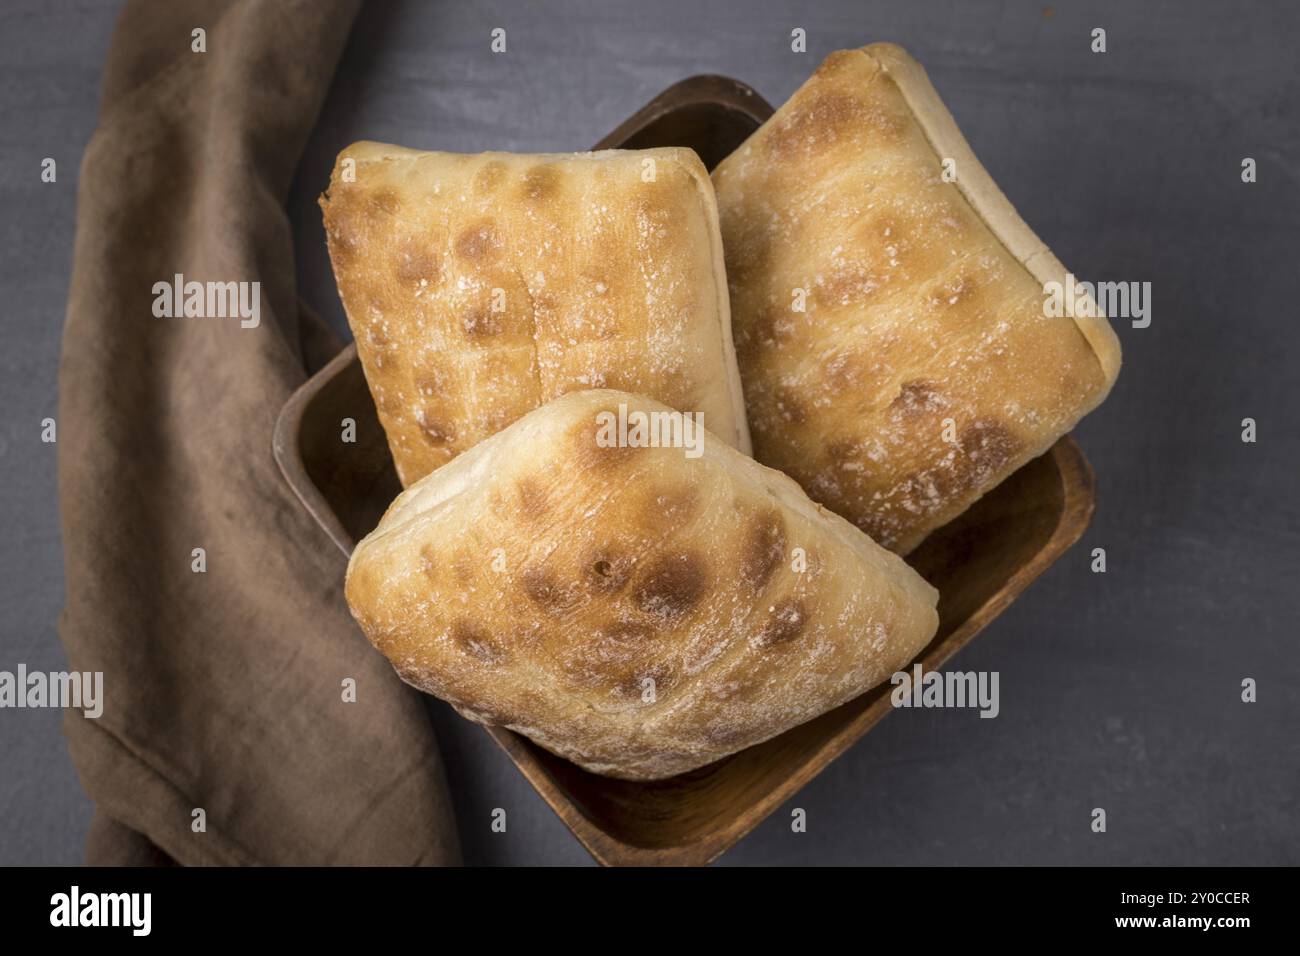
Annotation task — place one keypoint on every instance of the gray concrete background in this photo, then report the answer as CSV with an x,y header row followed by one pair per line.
x,y
1118,690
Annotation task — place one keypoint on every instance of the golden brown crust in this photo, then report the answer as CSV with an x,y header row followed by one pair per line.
x,y
920,370
547,583
479,287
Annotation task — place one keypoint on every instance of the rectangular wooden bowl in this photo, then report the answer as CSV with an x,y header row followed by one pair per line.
x,y
979,563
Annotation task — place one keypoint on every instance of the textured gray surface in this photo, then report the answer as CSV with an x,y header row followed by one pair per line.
x,y
1118,690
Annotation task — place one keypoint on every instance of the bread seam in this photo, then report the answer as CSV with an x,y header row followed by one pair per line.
x,y
723,295
532,333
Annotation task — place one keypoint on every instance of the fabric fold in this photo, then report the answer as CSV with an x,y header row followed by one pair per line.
x,y
224,668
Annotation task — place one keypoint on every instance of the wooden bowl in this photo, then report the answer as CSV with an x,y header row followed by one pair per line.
x,y
979,563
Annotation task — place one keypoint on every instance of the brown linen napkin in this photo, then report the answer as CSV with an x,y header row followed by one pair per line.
x,y
223,690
